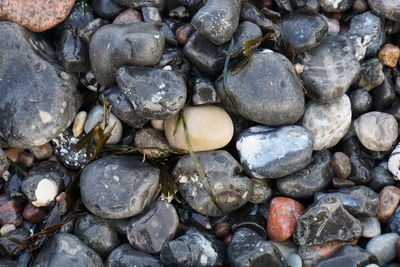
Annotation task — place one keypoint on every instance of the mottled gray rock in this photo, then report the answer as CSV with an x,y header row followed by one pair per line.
x,y
364,29
3,162
154,93
359,201
38,99
308,181
328,123
383,247
371,227
245,31
194,249
217,20
204,92
261,191
97,233
125,255
116,45
371,74
230,187
266,90
325,221
361,102
335,5
377,131
329,69
96,115
118,187
251,13
387,8
274,152
137,4
248,249
44,181
303,31
149,232
66,250
152,15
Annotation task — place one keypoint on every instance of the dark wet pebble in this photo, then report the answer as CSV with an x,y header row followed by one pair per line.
x,y
10,211
7,244
125,255
204,92
349,255
371,74
380,178
106,9
361,102
73,53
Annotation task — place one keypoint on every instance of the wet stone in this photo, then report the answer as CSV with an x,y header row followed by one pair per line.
x,y
217,20
194,248
359,201
371,227
303,31
10,248
256,144
253,222
350,255
394,221
183,33
106,9
384,94
381,177
152,15
230,187
10,211
150,137
151,230
325,221
361,102
29,60
261,191
128,16
125,255
137,43
341,165
383,247
335,54
204,92
394,163
96,233
342,183
118,187
311,5
268,76
64,250
34,214
72,52
371,74
251,13
310,180
247,248
245,31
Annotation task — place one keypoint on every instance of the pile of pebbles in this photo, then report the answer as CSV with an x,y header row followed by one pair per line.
x,y
299,145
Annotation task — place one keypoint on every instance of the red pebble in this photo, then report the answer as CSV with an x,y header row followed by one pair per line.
x,y
282,218
34,214
389,199
10,211
128,16
227,239
183,33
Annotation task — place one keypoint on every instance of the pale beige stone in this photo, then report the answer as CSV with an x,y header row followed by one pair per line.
x,y
79,123
7,228
377,131
209,127
158,124
42,152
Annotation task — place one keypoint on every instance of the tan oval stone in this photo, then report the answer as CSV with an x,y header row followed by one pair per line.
x,y
389,55
209,127
377,131
79,123
158,124
36,16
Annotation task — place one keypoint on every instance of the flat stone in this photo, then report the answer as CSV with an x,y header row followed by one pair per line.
x,y
377,131
36,16
269,77
328,123
329,69
118,187
325,221
230,187
310,180
125,255
257,147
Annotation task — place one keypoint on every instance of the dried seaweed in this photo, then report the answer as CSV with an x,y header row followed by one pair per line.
x,y
169,189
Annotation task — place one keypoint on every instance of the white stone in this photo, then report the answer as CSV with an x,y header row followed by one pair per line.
x,y
158,124
371,227
96,115
394,163
45,193
377,131
7,228
327,122
79,123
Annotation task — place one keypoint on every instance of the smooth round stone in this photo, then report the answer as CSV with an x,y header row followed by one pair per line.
x,y
329,69
7,228
282,218
383,247
36,16
217,20
47,94
335,5
151,230
371,227
209,128
341,165
79,123
389,199
125,255
117,45
65,250
230,187
310,180
303,31
117,187
97,233
274,152
387,8
34,214
266,90
96,115
328,123
128,16
361,102
377,131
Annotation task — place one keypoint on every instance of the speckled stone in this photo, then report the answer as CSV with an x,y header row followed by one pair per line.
x,y
328,123
389,55
36,16
341,164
